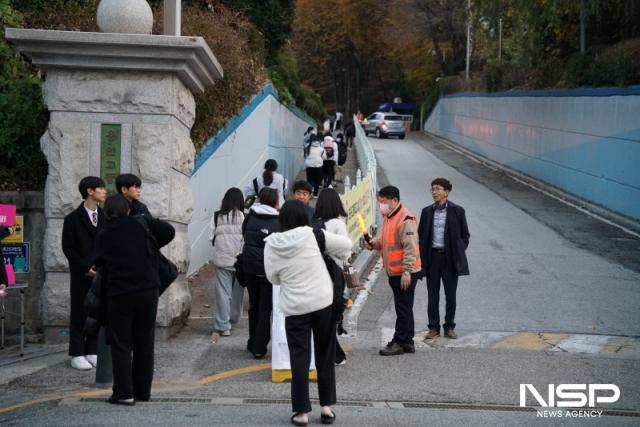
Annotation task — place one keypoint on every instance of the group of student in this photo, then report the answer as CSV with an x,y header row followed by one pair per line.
x,y
322,154
298,248
113,243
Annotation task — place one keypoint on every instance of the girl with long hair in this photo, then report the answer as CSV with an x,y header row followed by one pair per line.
x,y
269,178
225,233
331,216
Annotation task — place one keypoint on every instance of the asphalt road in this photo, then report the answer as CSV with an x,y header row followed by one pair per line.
x,y
541,307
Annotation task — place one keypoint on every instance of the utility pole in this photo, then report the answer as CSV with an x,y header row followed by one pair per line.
x,y
172,17
500,39
466,70
583,25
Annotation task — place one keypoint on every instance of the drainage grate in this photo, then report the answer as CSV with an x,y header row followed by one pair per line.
x,y
364,404
158,400
508,408
439,405
266,401
313,401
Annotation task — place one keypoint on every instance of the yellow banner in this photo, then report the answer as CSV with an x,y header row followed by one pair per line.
x,y
358,201
18,231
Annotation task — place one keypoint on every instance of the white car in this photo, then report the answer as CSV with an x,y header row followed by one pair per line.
x,y
384,125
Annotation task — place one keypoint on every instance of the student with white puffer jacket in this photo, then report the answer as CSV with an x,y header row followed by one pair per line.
x,y
314,159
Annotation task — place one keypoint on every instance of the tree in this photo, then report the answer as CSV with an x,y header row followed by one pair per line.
x,y
274,19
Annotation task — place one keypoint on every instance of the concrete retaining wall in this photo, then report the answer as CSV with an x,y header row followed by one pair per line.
x,y
264,129
583,141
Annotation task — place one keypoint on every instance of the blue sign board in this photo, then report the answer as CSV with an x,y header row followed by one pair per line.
x,y
16,254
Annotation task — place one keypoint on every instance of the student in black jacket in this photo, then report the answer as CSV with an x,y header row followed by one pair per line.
x,y
129,185
78,244
132,297
261,221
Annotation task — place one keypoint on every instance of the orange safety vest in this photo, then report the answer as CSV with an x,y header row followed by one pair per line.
x,y
393,244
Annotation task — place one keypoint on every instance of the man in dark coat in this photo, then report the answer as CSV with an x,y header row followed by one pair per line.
x,y
444,238
78,244
129,186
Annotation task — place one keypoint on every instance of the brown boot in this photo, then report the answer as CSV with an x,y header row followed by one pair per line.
x,y
450,333
433,333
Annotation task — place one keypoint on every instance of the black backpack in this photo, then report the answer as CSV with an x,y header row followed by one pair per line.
x,y
342,152
335,272
167,270
328,151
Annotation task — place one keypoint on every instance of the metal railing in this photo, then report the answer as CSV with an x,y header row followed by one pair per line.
x,y
367,163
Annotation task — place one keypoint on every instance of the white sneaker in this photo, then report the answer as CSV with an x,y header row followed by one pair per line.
x,y
93,359
226,333
81,363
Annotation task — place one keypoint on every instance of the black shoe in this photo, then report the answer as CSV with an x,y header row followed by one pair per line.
x,y
394,350
342,330
328,419
126,402
258,355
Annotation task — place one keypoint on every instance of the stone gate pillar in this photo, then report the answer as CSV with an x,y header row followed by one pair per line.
x,y
118,103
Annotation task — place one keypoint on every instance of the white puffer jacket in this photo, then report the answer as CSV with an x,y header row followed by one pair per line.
x,y
316,155
293,260
228,236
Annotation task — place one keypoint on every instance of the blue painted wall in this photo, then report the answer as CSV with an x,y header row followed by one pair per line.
x,y
263,129
583,141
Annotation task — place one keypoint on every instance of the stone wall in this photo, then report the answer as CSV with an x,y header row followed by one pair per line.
x,y
156,112
30,204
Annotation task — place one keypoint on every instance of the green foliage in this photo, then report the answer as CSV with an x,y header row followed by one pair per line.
x,y
274,19
311,103
615,66
23,117
283,90
285,76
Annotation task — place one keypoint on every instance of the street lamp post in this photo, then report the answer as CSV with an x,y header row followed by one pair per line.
x,y
172,17
468,59
500,39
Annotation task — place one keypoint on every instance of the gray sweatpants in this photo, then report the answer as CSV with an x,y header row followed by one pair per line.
x,y
229,295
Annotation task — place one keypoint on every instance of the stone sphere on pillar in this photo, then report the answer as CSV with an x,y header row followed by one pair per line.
x,y
125,16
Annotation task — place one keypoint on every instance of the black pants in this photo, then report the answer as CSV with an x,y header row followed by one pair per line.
x,y
340,354
329,172
314,177
299,328
403,301
131,326
80,344
260,306
439,269
349,141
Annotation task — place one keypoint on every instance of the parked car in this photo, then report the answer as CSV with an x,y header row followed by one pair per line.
x,y
385,124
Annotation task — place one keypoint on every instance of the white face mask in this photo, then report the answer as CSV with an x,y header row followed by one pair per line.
x,y
384,209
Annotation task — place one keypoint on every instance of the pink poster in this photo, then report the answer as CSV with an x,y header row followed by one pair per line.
x,y
11,276
7,215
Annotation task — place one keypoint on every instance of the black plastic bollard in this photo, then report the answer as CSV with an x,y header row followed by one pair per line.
x,y
104,373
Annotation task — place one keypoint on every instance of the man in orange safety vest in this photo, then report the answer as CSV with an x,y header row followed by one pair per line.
x,y
398,244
